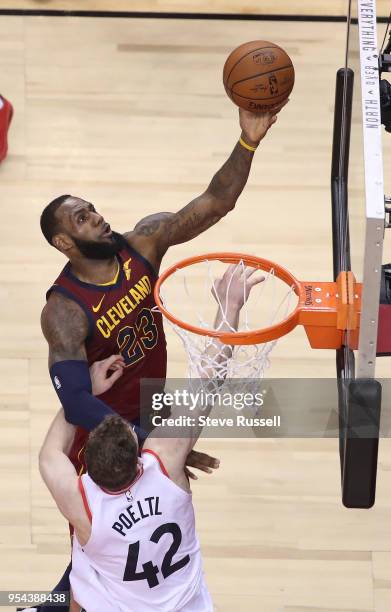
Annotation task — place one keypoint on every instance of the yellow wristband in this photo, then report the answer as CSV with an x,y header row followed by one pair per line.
x,y
247,146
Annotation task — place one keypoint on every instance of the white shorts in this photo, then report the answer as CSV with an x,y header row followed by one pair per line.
x,y
201,602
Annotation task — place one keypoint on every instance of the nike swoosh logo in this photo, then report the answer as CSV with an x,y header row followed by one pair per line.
x,y
96,308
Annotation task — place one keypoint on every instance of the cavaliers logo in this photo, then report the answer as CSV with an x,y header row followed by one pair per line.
x,y
127,268
264,57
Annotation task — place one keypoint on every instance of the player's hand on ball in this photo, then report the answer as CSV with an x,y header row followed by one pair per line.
x,y
256,125
105,373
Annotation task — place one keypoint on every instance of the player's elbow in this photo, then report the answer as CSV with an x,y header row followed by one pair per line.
x,y
223,204
230,203
72,415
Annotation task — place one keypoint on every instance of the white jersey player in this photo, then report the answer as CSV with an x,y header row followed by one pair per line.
x,y
143,550
135,547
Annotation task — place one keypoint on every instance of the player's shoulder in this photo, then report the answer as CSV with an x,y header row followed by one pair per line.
x,y
144,249
146,237
59,305
63,312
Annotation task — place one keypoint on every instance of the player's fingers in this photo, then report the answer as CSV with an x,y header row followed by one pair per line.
x,y
204,468
107,363
201,460
256,279
232,268
119,359
119,362
115,375
190,474
118,365
276,109
238,271
249,271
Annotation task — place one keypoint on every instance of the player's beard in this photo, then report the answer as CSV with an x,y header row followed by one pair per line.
x,y
91,249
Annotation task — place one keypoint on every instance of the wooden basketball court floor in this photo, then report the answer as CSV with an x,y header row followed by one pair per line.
x,y
131,114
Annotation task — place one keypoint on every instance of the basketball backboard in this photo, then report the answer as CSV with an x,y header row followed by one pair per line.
x,y
358,230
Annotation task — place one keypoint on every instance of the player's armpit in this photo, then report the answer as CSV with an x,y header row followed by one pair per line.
x,y
172,453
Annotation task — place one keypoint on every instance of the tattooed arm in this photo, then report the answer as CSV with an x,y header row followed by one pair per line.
x,y
65,327
154,234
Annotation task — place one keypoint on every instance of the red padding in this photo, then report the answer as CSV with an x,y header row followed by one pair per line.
x,y
384,330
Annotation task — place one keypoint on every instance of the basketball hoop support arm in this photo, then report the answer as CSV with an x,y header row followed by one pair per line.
x,y
329,310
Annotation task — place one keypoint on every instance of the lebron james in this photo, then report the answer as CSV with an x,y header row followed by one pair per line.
x,y
102,301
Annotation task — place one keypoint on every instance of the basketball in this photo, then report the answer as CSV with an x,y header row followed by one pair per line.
x,y
258,75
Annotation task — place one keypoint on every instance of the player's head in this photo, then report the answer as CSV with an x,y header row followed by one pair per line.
x,y
74,227
112,454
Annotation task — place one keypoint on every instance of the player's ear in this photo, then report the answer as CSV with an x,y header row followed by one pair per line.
x,y
62,242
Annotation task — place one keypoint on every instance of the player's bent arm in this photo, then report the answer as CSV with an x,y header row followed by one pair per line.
x,y
59,474
174,451
65,328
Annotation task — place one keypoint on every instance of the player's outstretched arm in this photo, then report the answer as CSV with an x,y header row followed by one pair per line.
x,y
231,293
65,328
154,234
59,474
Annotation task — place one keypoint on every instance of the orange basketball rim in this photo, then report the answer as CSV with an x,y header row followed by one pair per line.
x,y
327,310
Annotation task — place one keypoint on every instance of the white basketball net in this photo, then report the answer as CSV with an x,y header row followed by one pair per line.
x,y
190,298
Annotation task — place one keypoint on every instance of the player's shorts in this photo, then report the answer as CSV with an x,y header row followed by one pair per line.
x,y
201,602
